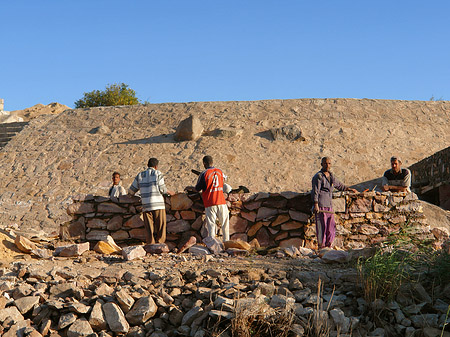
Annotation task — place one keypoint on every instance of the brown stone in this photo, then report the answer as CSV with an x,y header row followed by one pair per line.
x,y
189,129
238,244
291,225
296,242
115,223
275,203
254,229
281,236
178,226
187,215
109,207
265,213
282,218
368,230
180,202
298,216
138,233
339,205
361,205
239,236
72,250
254,243
273,231
133,252
80,208
198,223
136,221
188,244
96,223
120,235
24,244
238,225
97,235
250,216
251,206
263,238
129,199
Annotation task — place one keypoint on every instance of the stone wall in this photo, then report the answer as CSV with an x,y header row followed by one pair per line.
x,y
431,172
273,219
9,130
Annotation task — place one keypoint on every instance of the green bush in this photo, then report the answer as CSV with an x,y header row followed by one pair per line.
x,y
114,94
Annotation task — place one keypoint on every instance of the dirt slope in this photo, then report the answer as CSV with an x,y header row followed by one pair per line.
x,y
57,156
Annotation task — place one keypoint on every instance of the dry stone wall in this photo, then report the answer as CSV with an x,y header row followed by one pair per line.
x,y
273,219
433,171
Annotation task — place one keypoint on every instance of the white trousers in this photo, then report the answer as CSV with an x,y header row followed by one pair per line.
x,y
212,214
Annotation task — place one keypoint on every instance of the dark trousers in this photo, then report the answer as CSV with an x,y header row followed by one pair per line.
x,y
155,226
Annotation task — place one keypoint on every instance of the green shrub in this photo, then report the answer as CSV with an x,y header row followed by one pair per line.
x,y
114,94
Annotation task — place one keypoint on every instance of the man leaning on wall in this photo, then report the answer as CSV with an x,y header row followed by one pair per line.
x,y
397,179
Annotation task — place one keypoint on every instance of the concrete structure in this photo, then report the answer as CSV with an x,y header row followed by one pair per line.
x,y
2,104
431,178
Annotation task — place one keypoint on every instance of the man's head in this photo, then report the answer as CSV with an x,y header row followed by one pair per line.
x,y
396,164
207,161
326,164
116,178
153,162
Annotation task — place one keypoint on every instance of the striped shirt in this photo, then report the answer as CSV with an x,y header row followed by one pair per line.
x,y
402,178
151,184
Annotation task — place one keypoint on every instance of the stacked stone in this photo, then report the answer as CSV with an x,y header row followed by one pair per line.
x,y
270,219
368,218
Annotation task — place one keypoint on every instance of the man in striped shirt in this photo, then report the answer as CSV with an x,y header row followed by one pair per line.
x,y
151,184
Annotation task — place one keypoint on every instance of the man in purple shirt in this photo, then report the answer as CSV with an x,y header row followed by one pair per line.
x,y
323,184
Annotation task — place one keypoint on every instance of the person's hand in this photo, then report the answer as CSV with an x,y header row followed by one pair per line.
x,y
385,188
353,190
316,208
190,189
171,193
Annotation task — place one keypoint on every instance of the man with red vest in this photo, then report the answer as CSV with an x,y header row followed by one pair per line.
x,y
210,182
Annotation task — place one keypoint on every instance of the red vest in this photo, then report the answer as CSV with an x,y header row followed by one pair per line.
x,y
213,194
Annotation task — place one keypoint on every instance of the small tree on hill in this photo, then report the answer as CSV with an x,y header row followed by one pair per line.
x,y
114,94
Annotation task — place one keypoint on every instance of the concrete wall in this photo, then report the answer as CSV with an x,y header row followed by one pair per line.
x,y
273,219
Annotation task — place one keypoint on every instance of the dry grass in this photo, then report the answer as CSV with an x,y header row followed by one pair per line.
x,y
318,323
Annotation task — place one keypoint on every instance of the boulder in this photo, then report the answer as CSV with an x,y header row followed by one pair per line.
x,y
72,250
180,202
189,129
142,310
24,244
133,252
287,132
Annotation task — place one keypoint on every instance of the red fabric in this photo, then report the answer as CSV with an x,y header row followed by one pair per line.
x,y
213,194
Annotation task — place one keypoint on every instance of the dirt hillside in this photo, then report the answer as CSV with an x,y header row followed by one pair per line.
x,y
40,109
58,156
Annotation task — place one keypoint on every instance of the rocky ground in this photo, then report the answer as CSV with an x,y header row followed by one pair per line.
x,y
75,152
185,294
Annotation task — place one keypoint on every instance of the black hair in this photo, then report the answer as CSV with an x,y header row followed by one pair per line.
x,y
207,160
153,162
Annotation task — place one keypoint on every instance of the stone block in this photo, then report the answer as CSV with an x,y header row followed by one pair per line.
x,y
97,235
144,309
115,318
361,205
188,215
255,228
368,230
198,223
180,202
239,244
114,223
97,319
80,208
275,203
138,233
296,242
189,129
133,252
96,223
136,221
250,216
291,225
298,216
178,226
199,250
263,238
72,250
25,245
266,213
339,205
120,235
156,248
238,224
109,207
214,244
282,218
129,199
239,236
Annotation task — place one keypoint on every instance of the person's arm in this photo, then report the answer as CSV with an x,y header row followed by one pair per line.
x,y
122,190
341,187
316,185
201,183
161,185
134,186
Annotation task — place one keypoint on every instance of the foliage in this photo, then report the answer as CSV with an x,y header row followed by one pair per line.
x,y
440,267
114,94
394,263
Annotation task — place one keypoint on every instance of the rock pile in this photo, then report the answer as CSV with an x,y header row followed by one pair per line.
x,y
265,219
97,296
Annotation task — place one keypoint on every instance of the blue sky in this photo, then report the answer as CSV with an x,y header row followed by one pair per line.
x,y
213,50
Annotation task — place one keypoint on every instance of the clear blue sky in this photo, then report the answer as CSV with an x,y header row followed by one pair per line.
x,y
213,50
